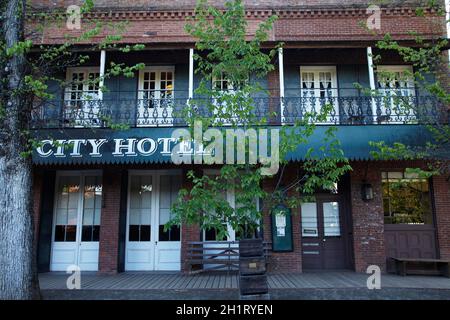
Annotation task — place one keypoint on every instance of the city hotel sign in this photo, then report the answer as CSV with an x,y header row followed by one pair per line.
x,y
157,145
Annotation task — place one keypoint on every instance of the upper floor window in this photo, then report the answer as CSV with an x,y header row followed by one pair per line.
x,y
406,199
396,79
396,87
82,96
156,96
224,84
83,83
318,81
318,87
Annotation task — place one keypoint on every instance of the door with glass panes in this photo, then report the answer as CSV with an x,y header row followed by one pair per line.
x,y
82,106
156,96
323,238
148,245
76,221
397,100
318,85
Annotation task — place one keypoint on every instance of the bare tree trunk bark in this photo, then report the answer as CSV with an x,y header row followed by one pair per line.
x,y
18,274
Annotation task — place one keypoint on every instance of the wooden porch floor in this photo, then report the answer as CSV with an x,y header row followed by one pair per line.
x,y
178,281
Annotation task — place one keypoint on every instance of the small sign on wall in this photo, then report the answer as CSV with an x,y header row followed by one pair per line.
x,y
281,229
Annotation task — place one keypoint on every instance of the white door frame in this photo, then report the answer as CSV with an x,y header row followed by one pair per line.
x,y
93,246
154,244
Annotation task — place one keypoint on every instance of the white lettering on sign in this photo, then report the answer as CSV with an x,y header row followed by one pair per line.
x,y
96,144
146,147
124,144
41,151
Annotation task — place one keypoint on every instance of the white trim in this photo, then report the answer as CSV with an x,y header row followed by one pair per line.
x,y
371,78
281,80
395,68
191,73
281,71
102,73
447,18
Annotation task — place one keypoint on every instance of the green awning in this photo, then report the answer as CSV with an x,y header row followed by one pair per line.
x,y
154,145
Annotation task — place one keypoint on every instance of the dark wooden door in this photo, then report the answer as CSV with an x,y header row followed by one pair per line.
x,y
323,234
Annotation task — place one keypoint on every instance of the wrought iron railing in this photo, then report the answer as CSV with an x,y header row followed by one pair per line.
x,y
343,110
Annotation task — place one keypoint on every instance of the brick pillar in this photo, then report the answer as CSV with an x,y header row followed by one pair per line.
x,y
441,192
188,232
37,196
109,228
284,261
273,83
368,219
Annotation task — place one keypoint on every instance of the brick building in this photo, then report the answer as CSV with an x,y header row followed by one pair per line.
x,y
101,203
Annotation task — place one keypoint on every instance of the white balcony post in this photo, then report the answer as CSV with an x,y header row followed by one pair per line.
x,y
191,73
102,74
281,75
447,18
371,79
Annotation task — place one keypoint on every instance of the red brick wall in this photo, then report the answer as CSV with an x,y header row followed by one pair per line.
x,y
273,83
294,24
109,230
37,196
368,218
284,261
183,4
188,232
442,206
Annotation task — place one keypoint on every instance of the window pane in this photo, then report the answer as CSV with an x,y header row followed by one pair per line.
x,y
60,232
86,233
331,224
210,235
406,199
169,187
96,233
71,233
145,233
133,233
309,220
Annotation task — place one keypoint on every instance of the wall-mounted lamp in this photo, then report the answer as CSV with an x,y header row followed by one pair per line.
x,y
367,191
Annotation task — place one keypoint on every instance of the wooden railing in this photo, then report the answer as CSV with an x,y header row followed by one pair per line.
x,y
205,256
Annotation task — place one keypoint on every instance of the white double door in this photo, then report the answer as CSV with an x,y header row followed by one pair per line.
x,y
151,195
156,96
76,221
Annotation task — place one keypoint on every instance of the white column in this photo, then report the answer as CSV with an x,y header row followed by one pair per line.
x,y
102,73
191,73
371,79
447,18
281,75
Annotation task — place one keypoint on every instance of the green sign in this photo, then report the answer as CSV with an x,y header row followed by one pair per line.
x,y
282,229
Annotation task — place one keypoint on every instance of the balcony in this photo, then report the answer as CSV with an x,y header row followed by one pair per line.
x,y
133,112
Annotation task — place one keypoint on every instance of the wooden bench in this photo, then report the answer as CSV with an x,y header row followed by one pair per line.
x,y
406,266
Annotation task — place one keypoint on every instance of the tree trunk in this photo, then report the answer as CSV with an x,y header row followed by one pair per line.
x,y
18,274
